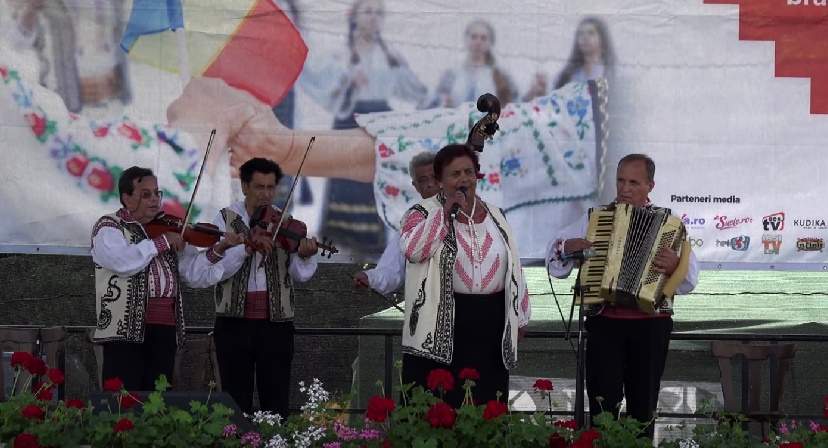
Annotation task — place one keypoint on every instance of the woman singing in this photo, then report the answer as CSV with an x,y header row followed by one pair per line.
x,y
465,295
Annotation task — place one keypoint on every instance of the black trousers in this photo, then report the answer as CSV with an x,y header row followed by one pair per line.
x,y
625,358
478,332
139,365
250,346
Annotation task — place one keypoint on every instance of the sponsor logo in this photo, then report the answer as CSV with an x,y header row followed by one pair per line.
x,y
708,199
723,222
774,222
810,244
692,223
695,242
811,223
738,243
771,244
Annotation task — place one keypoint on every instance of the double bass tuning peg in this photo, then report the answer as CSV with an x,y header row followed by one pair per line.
x,y
486,127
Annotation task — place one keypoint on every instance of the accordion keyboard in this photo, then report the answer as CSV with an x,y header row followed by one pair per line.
x,y
592,270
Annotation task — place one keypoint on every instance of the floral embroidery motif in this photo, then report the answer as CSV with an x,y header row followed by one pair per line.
x,y
70,148
545,144
578,108
385,151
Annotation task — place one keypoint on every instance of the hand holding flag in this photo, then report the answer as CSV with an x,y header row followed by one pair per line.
x,y
250,44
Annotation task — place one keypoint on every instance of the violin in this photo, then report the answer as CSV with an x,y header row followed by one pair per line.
x,y
486,127
199,235
290,233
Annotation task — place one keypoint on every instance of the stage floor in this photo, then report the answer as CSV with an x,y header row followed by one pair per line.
x,y
723,302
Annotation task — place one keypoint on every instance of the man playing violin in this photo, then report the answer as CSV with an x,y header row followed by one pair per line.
x,y
255,298
138,279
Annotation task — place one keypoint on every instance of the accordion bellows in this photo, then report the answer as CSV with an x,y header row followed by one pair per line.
x,y
626,240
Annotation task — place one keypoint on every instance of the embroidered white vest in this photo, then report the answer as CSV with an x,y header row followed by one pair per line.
x,y
231,294
121,302
428,325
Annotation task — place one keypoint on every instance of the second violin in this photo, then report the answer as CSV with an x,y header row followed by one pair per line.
x,y
291,232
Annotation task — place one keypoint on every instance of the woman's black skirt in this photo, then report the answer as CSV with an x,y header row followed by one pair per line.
x,y
478,331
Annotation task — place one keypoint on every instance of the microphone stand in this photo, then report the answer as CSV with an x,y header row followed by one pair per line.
x,y
580,357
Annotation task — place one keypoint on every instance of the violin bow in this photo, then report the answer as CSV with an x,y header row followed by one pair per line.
x,y
198,182
386,299
290,194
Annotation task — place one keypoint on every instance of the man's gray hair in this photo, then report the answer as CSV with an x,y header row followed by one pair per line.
x,y
421,159
648,163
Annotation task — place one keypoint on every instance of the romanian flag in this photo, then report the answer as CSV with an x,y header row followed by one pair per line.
x,y
250,44
149,17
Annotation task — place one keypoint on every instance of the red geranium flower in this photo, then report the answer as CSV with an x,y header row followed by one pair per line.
x,y
128,400
36,366
25,440
32,412
791,445
20,359
468,373
566,424
556,441
494,409
55,376
825,406
113,385
543,385
441,415
379,408
586,439
387,443
43,391
123,424
75,403
440,379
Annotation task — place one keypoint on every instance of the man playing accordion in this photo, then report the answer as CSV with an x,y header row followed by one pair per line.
x,y
627,346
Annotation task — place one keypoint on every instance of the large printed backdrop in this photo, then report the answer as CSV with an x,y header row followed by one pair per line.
x,y
729,97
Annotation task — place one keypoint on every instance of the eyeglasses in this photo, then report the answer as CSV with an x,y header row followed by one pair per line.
x,y
149,194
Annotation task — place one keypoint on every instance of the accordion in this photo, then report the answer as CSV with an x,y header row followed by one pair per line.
x,y
626,240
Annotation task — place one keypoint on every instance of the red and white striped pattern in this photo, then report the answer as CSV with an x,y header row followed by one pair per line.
x,y
480,267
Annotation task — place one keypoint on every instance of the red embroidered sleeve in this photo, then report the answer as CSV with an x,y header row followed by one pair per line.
x,y
421,236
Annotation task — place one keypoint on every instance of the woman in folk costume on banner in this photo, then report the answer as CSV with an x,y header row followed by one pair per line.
x,y
592,58
76,46
541,171
479,73
372,75
465,295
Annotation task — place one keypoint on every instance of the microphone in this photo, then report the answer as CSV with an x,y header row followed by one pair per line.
x,y
456,207
578,255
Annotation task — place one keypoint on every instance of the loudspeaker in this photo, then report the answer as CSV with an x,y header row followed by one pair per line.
x,y
105,401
